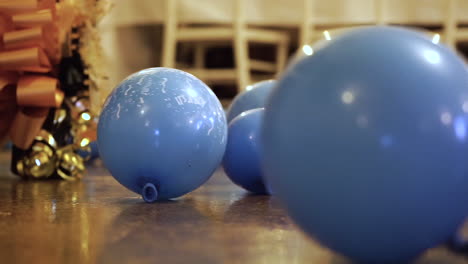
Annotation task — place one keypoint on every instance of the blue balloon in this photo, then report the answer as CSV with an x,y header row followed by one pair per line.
x,y
90,154
94,150
365,142
254,97
241,160
162,133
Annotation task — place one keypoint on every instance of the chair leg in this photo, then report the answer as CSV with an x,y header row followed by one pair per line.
x,y
380,7
199,60
242,63
281,56
304,35
450,24
169,49
241,47
307,22
170,42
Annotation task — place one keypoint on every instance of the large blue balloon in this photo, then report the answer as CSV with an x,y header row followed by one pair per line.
x,y
241,160
162,133
365,141
254,97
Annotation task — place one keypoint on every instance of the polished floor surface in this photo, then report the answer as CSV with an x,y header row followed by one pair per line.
x,y
98,221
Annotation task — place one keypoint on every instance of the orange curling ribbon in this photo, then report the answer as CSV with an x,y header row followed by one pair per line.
x,y
39,91
30,59
32,19
28,47
24,38
15,6
26,125
22,6
5,24
24,111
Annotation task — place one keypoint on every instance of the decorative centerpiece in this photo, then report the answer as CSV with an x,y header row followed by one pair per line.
x,y
49,67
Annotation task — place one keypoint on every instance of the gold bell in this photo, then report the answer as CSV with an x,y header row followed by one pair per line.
x,y
60,116
84,117
41,160
79,106
71,165
84,148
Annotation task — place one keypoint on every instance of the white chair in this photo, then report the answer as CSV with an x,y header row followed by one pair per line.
x,y
238,35
311,30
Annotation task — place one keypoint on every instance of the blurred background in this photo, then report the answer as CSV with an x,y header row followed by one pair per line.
x,y
232,43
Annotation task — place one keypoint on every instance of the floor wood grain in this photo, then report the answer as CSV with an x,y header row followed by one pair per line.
x,y
98,221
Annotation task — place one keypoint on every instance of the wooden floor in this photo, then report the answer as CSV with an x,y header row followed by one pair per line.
x,y
98,221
